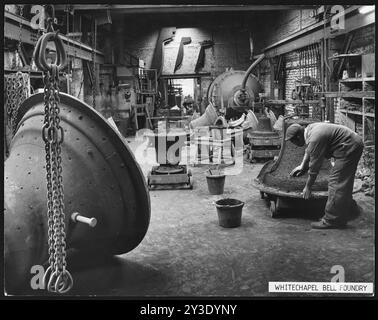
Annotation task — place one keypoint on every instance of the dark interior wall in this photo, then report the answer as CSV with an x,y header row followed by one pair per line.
x,y
138,34
275,26
363,40
271,27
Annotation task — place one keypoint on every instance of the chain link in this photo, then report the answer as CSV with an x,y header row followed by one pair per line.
x,y
20,30
93,80
16,91
94,83
57,278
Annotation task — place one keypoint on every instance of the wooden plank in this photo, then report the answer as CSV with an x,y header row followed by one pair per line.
x,y
351,80
350,94
345,55
368,114
351,112
292,102
132,9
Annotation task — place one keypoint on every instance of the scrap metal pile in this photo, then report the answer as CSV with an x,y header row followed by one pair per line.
x,y
366,171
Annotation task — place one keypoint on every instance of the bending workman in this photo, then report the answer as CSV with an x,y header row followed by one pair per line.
x,y
326,140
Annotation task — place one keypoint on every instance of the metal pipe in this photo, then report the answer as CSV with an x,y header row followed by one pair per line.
x,y
249,70
251,46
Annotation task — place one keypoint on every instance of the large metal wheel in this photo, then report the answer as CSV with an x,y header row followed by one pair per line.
x,y
101,179
228,83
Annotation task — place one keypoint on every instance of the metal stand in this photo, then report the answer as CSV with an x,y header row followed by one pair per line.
x,y
170,177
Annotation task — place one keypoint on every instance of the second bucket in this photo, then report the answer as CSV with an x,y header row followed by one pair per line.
x,y
215,183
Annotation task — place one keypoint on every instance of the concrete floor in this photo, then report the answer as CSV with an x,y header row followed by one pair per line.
x,y
186,252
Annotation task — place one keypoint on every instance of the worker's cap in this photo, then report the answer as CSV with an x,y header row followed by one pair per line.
x,y
292,131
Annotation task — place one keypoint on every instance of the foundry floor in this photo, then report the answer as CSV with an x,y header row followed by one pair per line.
x,y
186,253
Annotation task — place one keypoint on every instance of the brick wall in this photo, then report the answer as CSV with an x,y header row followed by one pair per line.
x,y
296,68
265,77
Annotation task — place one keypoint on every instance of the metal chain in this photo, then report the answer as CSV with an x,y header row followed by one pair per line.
x,y
69,69
94,84
93,80
50,212
16,86
60,279
57,277
20,30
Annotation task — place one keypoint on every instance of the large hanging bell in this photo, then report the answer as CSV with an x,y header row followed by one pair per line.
x,y
101,180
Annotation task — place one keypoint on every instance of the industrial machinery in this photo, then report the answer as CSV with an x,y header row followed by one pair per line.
x,y
235,92
102,183
235,89
169,173
264,142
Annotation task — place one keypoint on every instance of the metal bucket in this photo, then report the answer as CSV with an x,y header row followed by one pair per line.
x,y
101,179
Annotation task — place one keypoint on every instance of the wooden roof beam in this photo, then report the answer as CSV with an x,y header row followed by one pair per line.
x,y
132,9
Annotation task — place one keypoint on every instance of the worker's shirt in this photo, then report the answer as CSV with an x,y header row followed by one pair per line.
x,y
326,140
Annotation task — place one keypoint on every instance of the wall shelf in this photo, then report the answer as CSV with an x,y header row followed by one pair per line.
x,y
357,79
367,114
366,118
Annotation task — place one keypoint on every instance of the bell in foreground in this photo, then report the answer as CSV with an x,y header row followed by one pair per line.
x,y
102,183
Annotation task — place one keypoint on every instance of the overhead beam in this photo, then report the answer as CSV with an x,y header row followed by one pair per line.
x,y
29,35
132,9
185,76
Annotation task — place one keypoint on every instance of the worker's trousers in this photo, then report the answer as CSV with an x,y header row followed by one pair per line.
x,y
340,188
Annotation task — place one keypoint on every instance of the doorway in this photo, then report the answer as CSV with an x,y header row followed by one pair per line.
x,y
183,94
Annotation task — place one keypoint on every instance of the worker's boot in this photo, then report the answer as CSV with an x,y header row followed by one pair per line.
x,y
355,211
323,224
